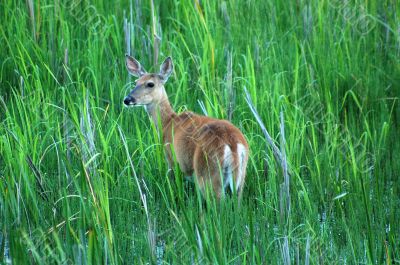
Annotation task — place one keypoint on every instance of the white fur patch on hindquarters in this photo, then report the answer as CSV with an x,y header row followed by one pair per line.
x,y
241,151
227,169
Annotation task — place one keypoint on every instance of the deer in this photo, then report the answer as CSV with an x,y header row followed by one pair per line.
x,y
209,151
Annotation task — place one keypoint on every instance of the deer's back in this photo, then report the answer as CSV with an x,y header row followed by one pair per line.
x,y
189,131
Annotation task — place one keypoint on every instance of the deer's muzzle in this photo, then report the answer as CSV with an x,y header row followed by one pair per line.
x,y
129,101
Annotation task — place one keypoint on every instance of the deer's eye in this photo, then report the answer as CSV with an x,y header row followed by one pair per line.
x,y
150,84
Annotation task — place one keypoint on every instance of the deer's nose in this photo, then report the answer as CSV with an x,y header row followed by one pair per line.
x,y
129,100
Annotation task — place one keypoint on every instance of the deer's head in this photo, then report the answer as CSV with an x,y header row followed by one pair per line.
x,y
149,88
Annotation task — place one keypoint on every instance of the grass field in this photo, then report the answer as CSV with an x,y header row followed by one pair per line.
x,y
83,180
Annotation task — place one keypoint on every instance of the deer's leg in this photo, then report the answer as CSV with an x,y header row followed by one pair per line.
x,y
170,160
207,172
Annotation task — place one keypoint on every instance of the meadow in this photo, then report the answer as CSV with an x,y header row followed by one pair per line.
x,y
83,179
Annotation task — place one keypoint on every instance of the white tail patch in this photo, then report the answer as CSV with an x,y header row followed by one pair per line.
x,y
241,151
227,168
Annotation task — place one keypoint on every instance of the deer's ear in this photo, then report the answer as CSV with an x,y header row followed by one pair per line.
x,y
166,69
134,67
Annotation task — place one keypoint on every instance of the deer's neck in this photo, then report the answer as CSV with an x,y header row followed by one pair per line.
x,y
161,111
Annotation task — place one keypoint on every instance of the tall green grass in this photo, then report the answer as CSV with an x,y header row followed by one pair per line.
x,y
83,180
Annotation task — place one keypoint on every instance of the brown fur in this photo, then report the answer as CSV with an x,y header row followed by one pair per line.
x,y
199,142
